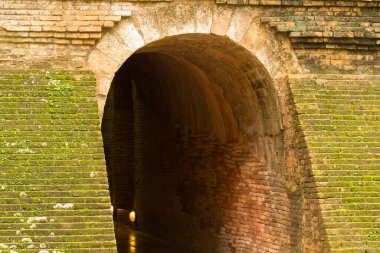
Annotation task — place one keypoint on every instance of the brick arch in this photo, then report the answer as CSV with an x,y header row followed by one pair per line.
x,y
271,161
212,97
152,23
208,89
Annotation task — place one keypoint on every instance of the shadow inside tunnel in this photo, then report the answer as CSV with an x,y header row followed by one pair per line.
x,y
134,241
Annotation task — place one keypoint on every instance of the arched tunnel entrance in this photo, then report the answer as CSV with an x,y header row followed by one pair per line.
x,y
193,144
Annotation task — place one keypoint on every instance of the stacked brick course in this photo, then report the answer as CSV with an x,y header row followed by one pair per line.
x,y
62,22
339,117
53,178
328,36
351,3
58,29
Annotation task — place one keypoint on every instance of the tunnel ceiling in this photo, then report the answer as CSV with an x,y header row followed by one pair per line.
x,y
205,83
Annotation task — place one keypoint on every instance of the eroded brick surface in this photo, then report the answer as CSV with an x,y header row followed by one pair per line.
x,y
339,117
53,178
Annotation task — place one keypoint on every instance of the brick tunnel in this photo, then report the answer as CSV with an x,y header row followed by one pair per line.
x,y
193,143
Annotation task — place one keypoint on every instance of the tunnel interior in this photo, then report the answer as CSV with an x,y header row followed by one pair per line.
x,y
192,139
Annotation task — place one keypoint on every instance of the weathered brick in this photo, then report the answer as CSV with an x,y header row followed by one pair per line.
x,y
90,28
41,200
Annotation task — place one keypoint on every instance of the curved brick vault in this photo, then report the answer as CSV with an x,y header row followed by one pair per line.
x,y
195,143
151,23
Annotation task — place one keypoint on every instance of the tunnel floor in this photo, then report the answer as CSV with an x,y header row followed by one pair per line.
x,y
130,241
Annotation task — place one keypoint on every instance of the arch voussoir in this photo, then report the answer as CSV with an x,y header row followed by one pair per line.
x,y
130,35
220,20
239,24
102,64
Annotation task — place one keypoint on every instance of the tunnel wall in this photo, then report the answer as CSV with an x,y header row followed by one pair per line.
x,y
118,128
207,196
231,195
199,193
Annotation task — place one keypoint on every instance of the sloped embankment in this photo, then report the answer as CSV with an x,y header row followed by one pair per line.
x,y
53,182
340,118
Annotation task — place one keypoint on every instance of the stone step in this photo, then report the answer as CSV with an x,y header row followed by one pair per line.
x,y
90,116
62,187
344,220
90,123
363,172
49,226
347,178
52,181
38,193
336,135
356,184
59,234
351,232
350,206
340,249
56,133
49,127
55,169
48,111
8,89
68,215
25,199
49,162
64,149
350,225
350,200
58,143
45,206
44,105
338,193
86,243
345,160
359,149
51,101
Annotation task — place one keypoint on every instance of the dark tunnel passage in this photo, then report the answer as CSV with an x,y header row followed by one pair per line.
x,y
192,140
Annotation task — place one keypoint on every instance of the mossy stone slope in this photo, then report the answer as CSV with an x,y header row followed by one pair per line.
x,y
53,182
340,118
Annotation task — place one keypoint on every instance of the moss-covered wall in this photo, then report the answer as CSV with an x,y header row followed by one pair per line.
x,y
339,117
53,184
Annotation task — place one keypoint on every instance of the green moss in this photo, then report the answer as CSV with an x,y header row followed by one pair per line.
x,y
51,152
341,123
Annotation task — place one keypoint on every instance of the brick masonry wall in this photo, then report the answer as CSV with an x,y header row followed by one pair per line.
x,y
53,179
56,34
118,128
339,118
308,233
327,37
